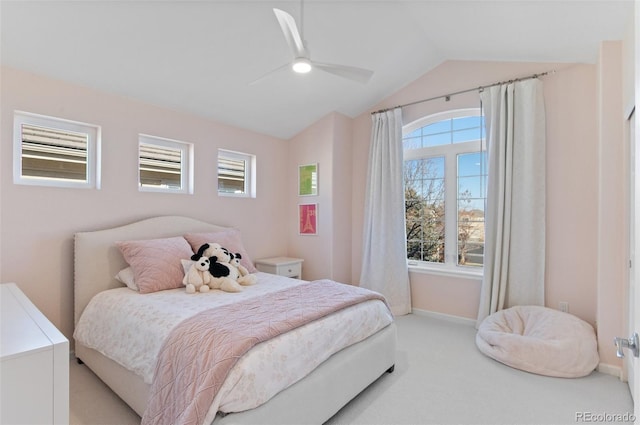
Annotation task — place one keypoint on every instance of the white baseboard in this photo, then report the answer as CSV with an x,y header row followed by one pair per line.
x,y
610,370
442,316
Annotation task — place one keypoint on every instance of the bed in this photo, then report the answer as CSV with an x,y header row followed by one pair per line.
x,y
312,398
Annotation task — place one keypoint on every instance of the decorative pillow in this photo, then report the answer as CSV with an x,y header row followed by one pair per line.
x,y
126,276
156,262
229,238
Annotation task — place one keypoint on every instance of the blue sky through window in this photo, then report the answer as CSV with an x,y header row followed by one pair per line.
x,y
454,130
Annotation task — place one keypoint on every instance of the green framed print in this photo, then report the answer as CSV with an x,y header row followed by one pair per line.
x,y
308,180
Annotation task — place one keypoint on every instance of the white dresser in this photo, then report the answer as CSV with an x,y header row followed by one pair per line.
x,y
283,266
34,363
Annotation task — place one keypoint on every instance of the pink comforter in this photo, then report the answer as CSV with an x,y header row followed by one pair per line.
x,y
200,351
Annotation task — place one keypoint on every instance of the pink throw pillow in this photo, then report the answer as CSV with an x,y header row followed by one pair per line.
x,y
229,238
156,263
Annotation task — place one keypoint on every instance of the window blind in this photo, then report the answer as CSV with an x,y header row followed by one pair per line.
x,y
160,166
231,174
53,153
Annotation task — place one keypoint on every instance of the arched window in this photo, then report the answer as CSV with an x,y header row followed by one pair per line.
x,y
445,178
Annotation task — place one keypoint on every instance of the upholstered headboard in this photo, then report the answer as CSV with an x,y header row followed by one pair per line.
x,y
97,259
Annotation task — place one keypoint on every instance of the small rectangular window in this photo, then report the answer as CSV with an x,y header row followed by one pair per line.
x,y
236,173
164,165
55,152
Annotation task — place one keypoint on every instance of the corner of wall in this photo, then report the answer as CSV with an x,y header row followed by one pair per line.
x,y
612,189
326,142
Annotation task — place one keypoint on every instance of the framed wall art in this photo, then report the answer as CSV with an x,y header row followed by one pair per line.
x,y
308,219
308,180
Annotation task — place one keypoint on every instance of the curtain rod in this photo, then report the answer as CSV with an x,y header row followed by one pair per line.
x,y
447,97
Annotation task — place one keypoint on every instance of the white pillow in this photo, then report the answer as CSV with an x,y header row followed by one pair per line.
x,y
186,265
126,276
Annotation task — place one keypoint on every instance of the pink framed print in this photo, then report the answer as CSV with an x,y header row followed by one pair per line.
x,y
308,219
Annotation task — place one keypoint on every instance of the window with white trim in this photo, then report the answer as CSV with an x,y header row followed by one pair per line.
x,y
52,151
164,165
445,177
236,174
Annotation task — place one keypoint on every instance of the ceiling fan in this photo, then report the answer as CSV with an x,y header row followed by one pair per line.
x,y
302,62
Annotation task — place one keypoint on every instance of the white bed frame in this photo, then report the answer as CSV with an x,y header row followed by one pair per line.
x,y
312,400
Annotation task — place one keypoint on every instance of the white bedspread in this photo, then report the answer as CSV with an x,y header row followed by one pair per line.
x,y
129,328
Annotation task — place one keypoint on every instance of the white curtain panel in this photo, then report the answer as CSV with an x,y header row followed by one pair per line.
x,y
384,262
514,261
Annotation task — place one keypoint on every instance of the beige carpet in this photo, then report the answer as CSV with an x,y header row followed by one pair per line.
x,y
440,378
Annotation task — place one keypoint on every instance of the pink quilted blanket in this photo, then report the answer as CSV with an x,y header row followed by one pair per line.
x,y
200,351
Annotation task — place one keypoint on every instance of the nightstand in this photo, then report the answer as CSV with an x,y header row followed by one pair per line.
x,y
283,266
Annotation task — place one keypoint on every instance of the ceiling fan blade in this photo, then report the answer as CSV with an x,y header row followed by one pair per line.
x,y
268,74
291,33
360,75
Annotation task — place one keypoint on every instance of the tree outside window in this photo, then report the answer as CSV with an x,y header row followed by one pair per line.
x,y
445,189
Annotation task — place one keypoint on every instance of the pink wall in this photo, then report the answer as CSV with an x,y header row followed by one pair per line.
x,y
572,190
313,145
328,143
38,223
41,221
613,179
341,190
571,181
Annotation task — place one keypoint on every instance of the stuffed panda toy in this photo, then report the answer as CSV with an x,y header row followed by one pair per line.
x,y
224,276
245,278
198,278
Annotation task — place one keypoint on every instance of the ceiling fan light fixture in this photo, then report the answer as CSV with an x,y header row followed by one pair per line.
x,y
301,65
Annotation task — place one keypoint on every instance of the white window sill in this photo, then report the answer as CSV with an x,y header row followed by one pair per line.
x,y
163,190
460,272
235,195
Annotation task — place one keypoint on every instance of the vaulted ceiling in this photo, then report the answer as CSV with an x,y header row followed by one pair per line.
x,y
201,57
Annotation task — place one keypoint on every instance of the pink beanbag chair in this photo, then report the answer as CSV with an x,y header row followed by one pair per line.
x,y
540,340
